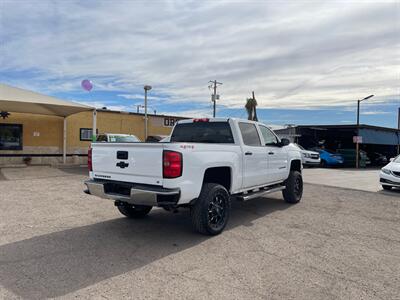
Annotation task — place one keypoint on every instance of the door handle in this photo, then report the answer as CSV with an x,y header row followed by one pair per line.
x,y
248,153
271,153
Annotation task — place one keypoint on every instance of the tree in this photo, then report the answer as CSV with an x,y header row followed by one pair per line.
x,y
250,106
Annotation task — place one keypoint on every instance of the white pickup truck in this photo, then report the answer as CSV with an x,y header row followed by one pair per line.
x,y
205,164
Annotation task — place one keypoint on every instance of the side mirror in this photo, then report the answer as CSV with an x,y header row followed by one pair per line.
x,y
284,142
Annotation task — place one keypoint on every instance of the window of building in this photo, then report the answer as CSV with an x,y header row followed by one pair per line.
x,y
249,134
85,134
10,136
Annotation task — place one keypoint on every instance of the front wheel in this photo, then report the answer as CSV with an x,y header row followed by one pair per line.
x,y
134,211
210,212
294,187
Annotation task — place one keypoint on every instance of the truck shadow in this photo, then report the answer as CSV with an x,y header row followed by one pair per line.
x,y
62,262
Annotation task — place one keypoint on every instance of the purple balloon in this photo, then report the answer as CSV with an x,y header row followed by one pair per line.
x,y
87,85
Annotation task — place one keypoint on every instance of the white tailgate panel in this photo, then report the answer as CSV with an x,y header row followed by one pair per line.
x,y
144,162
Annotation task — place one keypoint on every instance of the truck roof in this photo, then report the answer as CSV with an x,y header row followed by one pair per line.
x,y
186,121
204,120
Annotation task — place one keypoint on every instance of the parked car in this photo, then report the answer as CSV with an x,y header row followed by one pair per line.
x,y
207,163
349,156
329,158
155,138
378,159
309,158
117,138
390,174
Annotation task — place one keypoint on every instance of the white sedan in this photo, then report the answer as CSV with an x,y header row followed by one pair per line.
x,y
117,138
390,174
309,158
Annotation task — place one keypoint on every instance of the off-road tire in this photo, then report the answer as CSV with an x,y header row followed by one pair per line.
x,y
294,188
386,187
134,211
212,206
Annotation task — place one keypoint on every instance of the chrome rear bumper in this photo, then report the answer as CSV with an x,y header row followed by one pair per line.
x,y
133,194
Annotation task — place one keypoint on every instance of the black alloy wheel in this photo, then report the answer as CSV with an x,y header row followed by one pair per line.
x,y
298,187
217,210
210,212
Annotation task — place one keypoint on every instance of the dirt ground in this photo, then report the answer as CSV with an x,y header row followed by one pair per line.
x,y
56,241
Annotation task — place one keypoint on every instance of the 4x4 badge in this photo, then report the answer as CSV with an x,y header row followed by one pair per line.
x,y
122,165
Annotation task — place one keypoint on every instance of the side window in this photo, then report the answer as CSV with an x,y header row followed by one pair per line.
x,y
249,134
269,137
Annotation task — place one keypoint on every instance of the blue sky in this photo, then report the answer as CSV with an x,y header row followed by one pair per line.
x,y
307,61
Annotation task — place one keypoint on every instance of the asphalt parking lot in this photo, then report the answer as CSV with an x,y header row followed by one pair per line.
x,y
56,241
361,179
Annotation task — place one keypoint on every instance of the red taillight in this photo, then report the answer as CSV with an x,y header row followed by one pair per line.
x,y
201,120
172,164
89,160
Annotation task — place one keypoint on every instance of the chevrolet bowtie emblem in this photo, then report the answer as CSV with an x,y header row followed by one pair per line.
x,y
122,165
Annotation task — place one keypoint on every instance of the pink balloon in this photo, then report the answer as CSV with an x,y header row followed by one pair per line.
x,y
87,85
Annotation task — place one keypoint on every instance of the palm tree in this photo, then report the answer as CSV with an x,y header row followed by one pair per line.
x,y
250,106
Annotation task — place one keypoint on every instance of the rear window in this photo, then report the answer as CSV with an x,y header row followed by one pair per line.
x,y
203,132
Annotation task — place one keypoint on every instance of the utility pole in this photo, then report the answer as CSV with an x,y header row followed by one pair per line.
x,y
146,88
213,84
138,107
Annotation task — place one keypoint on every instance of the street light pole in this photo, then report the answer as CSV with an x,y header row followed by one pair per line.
x,y
398,132
146,88
358,130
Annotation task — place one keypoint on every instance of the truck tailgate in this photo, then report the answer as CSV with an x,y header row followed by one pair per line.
x,y
128,162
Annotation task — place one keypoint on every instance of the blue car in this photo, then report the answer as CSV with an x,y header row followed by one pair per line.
x,y
329,158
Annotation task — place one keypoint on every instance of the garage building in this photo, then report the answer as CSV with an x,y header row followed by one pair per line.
x,y
374,138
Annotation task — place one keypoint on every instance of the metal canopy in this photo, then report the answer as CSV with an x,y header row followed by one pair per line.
x,y
14,99
370,136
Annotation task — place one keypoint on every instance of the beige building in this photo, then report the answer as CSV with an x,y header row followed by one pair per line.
x,y
40,138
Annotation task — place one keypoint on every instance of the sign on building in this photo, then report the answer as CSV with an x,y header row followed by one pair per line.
x,y
170,121
164,121
357,139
